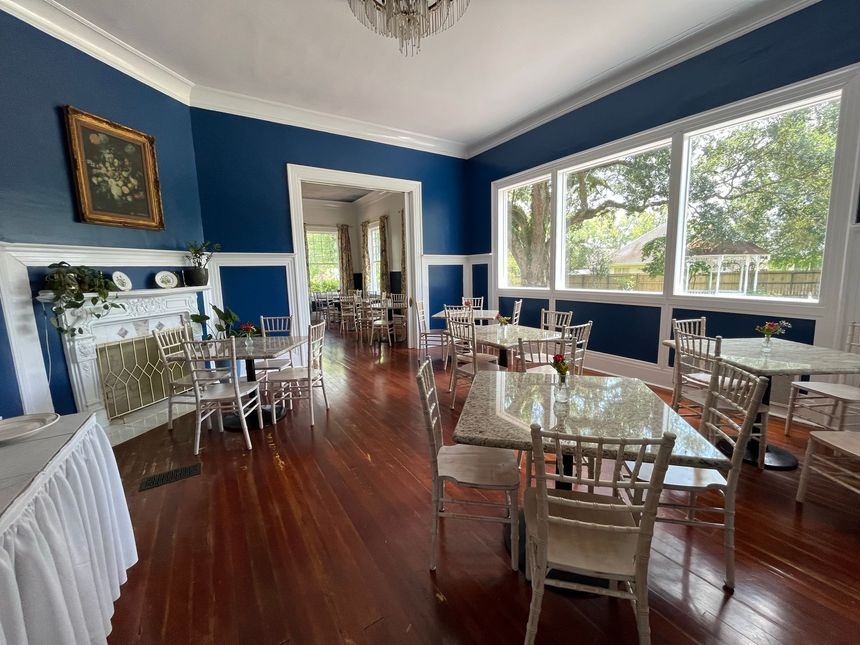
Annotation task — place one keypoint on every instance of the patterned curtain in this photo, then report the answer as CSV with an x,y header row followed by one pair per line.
x,y
384,275
345,253
403,263
365,256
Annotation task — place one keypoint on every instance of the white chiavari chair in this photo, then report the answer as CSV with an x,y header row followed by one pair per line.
x,y
555,320
217,391
599,535
838,463
478,467
468,361
693,326
831,404
348,314
426,334
170,351
274,326
474,303
518,309
577,338
400,313
297,383
728,418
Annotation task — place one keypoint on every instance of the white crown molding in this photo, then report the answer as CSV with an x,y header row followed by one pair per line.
x,y
243,105
45,254
54,19
65,25
372,198
617,79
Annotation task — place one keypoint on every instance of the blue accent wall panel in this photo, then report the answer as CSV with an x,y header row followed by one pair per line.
x,y
10,398
530,313
481,282
255,291
445,286
732,325
818,39
395,279
631,331
37,203
242,172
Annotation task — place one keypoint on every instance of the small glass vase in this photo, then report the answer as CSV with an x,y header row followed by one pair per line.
x,y
562,392
249,342
766,345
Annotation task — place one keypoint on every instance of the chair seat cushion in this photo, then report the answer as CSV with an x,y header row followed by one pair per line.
x,y
478,465
686,478
841,391
847,442
292,374
582,549
225,391
277,364
483,366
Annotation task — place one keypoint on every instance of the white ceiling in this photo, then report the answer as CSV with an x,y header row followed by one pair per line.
x,y
346,194
504,63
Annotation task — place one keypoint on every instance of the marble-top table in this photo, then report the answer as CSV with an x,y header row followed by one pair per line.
x,y
507,337
502,405
478,314
786,358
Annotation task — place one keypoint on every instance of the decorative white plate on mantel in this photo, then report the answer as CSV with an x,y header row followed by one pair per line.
x,y
166,279
23,426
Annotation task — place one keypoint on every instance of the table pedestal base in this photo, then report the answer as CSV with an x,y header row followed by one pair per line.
x,y
233,424
775,458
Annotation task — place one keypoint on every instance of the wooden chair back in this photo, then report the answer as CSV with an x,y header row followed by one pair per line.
x,y
515,315
459,312
462,331
732,403
169,343
533,353
432,415
577,336
203,357
603,463
852,342
398,301
474,303
555,320
276,325
695,354
420,317
694,326
316,344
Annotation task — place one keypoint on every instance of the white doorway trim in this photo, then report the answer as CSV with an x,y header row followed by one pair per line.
x,y
413,232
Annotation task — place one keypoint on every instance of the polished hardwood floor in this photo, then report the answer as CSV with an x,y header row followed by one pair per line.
x,y
323,536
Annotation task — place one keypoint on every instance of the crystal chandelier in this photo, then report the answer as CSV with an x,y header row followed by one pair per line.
x,y
408,20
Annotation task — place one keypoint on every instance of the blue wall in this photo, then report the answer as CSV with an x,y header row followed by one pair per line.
x,y
632,331
481,283
446,288
255,291
530,313
818,39
39,75
731,325
242,172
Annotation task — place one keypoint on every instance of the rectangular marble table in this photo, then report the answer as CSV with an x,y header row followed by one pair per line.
x,y
502,405
265,348
786,358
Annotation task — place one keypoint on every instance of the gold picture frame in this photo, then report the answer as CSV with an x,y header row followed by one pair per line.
x,y
116,175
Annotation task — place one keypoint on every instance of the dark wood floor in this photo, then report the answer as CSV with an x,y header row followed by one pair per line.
x,y
323,537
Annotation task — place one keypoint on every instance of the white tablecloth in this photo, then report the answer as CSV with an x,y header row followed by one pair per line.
x,y
65,535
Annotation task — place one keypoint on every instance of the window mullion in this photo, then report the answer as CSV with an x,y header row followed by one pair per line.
x,y
556,259
673,272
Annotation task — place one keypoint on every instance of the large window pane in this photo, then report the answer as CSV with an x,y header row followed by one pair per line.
x,y
615,222
374,250
323,263
527,221
757,204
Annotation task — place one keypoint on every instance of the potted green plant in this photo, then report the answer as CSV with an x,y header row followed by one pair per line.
x,y
227,318
68,288
199,254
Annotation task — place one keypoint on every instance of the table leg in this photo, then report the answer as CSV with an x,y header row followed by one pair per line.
x,y
270,415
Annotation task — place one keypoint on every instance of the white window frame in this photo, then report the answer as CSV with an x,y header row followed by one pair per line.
x,y
841,217
501,264
321,228
374,279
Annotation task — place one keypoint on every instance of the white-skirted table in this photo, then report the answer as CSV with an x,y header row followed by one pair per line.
x,y
66,538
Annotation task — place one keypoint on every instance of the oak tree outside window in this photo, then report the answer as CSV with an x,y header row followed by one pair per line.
x,y
528,216
613,211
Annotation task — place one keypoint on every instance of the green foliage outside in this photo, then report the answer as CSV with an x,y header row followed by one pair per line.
x,y
765,182
323,264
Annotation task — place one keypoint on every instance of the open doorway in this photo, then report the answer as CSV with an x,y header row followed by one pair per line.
x,y
354,231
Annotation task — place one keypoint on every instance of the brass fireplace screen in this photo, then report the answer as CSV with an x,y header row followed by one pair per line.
x,y
133,376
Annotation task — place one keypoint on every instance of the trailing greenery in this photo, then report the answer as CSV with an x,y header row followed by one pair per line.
x,y
73,287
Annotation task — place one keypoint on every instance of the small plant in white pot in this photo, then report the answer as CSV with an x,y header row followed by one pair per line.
x,y
199,254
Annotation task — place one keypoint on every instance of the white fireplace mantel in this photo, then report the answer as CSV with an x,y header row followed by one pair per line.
x,y
142,311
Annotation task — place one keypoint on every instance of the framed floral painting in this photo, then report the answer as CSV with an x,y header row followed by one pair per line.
x,y
116,177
